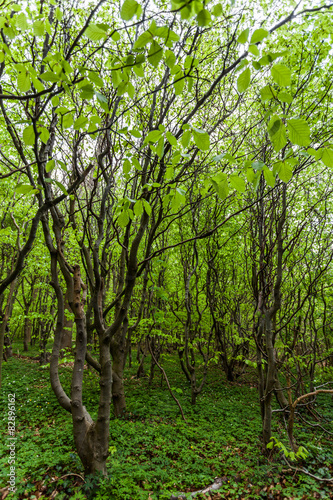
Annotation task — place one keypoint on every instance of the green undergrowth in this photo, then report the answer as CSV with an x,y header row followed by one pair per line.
x,y
153,452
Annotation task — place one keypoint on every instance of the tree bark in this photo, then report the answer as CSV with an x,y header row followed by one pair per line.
x,y
4,322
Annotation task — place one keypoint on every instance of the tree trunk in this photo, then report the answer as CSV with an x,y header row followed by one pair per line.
x,y
67,334
27,334
91,438
118,362
269,382
27,321
5,319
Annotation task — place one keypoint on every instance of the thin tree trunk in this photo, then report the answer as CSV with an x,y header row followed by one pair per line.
x,y
5,321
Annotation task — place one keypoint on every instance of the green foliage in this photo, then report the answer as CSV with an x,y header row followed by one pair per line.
x,y
299,132
281,74
129,9
193,190
243,36
301,453
243,81
152,451
258,35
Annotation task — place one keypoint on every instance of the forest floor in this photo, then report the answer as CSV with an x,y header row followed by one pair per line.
x,y
153,453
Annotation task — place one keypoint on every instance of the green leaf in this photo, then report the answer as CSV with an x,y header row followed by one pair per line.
x,y
160,147
95,33
186,137
48,28
153,136
285,97
80,123
44,134
23,189
9,31
128,9
48,76
269,177
217,10
178,83
61,187
39,86
147,207
185,12
21,21
169,173
277,133
220,184
95,78
299,132
135,133
238,183
87,92
136,163
258,165
258,35
267,93
138,70
326,156
155,54
62,165
201,139
115,36
254,50
55,101
94,123
102,101
29,136
58,14
284,171
281,74
243,36
67,120
265,60
178,199
23,81
138,208
218,157
250,174
168,35
170,58
229,157
314,152
50,165
127,166
143,39
173,141
38,28
176,69
243,81
204,17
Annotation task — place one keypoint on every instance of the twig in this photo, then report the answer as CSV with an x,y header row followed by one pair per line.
x,y
315,425
166,379
293,408
66,475
308,473
309,394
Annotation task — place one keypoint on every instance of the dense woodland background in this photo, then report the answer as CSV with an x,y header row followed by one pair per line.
x,y
166,247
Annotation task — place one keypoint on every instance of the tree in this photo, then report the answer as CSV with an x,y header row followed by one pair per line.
x,y
119,118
